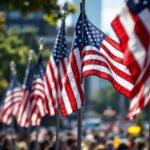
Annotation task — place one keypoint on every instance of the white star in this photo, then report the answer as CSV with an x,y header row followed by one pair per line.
x,y
79,31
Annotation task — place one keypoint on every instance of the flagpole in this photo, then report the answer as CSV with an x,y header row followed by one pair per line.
x,y
31,54
64,13
57,127
13,73
79,139
41,48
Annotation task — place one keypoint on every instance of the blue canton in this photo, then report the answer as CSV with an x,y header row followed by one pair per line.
x,y
136,6
40,69
60,50
28,77
92,35
14,83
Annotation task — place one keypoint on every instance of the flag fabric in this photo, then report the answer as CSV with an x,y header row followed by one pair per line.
x,y
133,30
140,100
132,26
37,94
99,56
24,106
56,70
11,101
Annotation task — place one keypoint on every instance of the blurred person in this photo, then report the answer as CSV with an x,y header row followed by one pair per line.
x,y
84,146
71,143
22,145
123,146
7,143
42,145
140,143
100,137
109,145
92,145
100,147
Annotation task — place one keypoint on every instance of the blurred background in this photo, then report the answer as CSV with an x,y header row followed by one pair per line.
x,y
23,23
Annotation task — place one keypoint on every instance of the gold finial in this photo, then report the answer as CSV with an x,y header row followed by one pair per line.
x,y
13,67
65,9
41,44
31,54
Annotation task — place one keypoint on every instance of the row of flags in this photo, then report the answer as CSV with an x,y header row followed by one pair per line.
x,y
125,65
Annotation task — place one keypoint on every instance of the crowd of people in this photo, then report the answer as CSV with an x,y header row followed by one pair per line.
x,y
109,136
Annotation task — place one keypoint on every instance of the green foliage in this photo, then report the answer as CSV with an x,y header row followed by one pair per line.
x,y
52,18
50,8
11,48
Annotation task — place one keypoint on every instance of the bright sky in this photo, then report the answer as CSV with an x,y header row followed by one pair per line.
x,y
109,10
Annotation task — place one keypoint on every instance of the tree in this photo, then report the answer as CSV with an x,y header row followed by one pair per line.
x,y
50,8
13,46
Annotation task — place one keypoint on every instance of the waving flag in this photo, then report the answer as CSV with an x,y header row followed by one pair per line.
x,y
56,70
100,56
132,26
11,101
37,94
24,106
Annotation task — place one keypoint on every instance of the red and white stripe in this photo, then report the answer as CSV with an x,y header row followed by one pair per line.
x,y
134,34
37,98
11,103
53,78
24,109
72,97
105,62
140,100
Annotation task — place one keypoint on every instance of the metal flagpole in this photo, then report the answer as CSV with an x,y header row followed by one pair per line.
x,y
82,9
57,127
65,11
13,73
41,47
31,54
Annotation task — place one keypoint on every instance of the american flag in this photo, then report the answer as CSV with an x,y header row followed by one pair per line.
x,y
24,106
37,94
56,70
11,101
99,56
132,26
